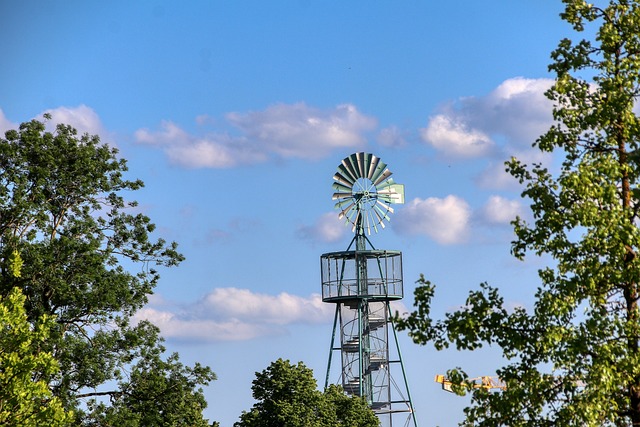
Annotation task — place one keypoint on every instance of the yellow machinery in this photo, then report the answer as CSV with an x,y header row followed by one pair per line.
x,y
486,382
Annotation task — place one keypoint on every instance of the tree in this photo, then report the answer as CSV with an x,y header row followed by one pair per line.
x,y
157,393
25,397
86,259
347,411
287,395
574,358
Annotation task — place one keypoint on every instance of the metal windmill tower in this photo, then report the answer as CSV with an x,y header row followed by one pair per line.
x,y
362,281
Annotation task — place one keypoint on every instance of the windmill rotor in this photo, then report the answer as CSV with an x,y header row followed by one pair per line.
x,y
365,191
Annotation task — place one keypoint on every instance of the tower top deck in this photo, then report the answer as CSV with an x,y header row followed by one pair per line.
x,y
362,274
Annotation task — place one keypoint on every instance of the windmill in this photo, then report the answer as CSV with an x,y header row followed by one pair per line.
x,y
362,282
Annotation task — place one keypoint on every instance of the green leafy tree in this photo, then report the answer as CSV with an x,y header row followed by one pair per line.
x,y
347,411
574,358
156,393
85,257
25,397
287,395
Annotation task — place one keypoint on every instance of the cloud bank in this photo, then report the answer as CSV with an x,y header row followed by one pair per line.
x,y
516,112
499,211
450,220
281,131
500,125
232,314
444,220
454,137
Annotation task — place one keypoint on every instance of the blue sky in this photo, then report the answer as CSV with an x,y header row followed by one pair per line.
x,y
236,115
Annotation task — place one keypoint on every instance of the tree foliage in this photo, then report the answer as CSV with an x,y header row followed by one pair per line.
x,y
86,258
574,358
158,393
25,397
287,395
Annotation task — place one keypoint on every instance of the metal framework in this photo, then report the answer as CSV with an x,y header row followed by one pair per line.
x,y
362,282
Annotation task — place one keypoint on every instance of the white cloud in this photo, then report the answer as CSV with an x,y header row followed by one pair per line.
x,y
449,220
505,122
391,137
215,153
170,134
495,174
236,314
453,137
211,151
499,210
280,131
5,124
444,220
280,309
517,109
328,229
301,131
84,119
175,326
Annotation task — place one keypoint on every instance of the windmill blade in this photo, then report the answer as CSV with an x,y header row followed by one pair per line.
x,y
353,213
386,206
341,187
356,221
342,203
345,211
386,174
372,222
380,168
365,225
380,218
382,212
384,184
350,163
359,161
353,217
342,179
375,221
341,195
347,174
373,163
362,165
